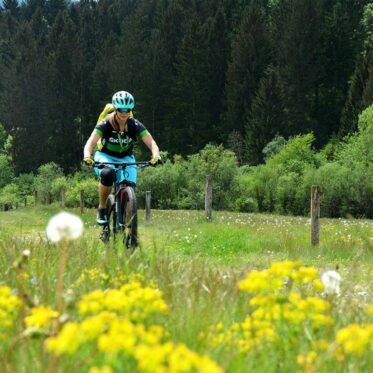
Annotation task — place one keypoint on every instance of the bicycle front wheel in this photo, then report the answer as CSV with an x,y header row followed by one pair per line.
x,y
129,213
110,228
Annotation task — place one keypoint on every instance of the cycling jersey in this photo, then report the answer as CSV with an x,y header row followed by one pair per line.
x,y
119,144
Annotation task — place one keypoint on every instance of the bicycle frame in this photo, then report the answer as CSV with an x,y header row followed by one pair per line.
x,y
119,188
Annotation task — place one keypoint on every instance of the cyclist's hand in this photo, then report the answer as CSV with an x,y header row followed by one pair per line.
x,y
155,161
89,161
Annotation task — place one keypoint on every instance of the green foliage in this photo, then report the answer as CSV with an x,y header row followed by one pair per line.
x,y
47,174
167,185
359,146
217,162
343,170
7,172
58,184
296,155
3,136
26,184
90,188
9,195
181,184
273,147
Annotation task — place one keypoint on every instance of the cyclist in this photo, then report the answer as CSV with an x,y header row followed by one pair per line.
x,y
115,136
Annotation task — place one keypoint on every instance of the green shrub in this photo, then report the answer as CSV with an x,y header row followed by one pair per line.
x,y
90,188
7,172
217,162
286,191
59,184
295,155
167,185
47,173
26,184
9,195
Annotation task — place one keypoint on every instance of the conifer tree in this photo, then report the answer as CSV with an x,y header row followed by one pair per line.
x,y
249,56
266,118
360,94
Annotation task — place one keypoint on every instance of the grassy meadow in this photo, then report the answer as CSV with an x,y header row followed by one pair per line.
x,y
240,293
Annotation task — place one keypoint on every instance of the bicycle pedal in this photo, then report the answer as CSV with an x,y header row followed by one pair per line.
x,y
104,236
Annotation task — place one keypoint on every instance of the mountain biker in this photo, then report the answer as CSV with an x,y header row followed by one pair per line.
x,y
115,136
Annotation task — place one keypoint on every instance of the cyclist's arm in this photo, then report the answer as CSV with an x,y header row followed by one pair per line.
x,y
152,145
90,144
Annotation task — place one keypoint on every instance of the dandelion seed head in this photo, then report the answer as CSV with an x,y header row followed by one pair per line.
x,y
64,226
26,253
331,281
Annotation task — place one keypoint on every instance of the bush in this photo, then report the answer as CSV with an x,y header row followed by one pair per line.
x,y
26,184
167,184
47,173
9,195
218,162
241,193
296,155
7,172
90,193
286,191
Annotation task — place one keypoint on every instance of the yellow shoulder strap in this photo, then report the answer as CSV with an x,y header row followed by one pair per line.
x,y
109,108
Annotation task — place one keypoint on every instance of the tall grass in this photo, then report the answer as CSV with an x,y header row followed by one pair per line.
x,y
196,264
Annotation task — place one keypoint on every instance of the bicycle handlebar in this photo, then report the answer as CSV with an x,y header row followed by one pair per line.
x,y
145,163
123,164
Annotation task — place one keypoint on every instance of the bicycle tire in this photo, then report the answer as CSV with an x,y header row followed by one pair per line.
x,y
112,217
129,213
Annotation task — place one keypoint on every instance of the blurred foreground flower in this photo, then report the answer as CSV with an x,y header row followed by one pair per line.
x,y
331,281
41,317
64,226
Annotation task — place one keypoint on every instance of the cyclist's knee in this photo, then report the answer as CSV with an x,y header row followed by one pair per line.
x,y
107,176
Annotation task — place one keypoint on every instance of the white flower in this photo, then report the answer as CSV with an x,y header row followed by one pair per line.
x,y
331,281
26,253
64,226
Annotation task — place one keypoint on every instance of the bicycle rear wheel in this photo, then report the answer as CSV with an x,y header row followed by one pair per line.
x,y
129,213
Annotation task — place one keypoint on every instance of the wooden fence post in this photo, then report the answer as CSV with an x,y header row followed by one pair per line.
x,y
148,198
25,202
36,199
208,197
81,201
315,215
63,198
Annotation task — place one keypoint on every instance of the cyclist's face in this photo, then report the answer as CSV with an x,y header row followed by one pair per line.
x,y
122,116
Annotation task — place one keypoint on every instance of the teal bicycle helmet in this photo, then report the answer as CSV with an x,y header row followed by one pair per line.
x,y
123,100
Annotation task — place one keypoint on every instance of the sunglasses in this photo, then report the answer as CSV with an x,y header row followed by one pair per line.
x,y
124,110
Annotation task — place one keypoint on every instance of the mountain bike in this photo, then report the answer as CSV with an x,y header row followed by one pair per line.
x,y
121,208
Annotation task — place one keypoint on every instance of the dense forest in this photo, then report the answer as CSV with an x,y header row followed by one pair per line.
x,y
231,72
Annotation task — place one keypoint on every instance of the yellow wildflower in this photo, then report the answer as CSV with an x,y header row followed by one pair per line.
x,y
355,338
67,342
370,310
283,269
304,275
318,285
9,307
104,369
307,361
173,358
41,317
257,282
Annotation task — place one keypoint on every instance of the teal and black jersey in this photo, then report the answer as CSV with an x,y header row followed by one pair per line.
x,y
119,144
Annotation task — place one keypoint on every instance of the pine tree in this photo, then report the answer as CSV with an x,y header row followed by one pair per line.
x,y
11,6
250,54
266,118
28,82
360,94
